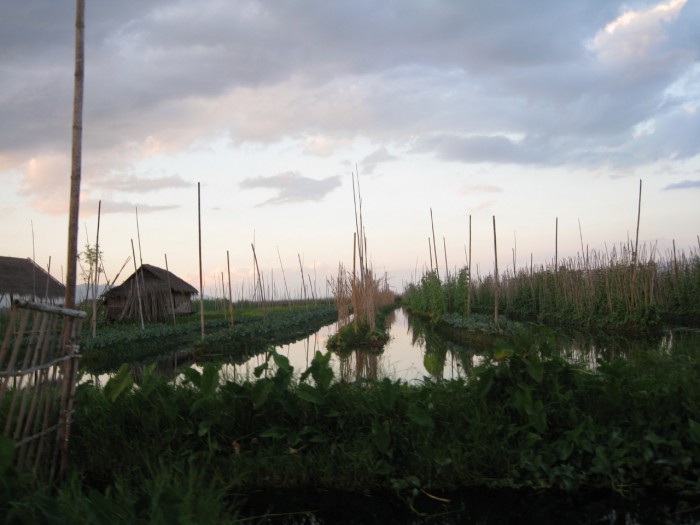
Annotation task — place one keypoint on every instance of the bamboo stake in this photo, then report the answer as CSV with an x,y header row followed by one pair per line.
x,y
430,252
495,280
97,271
432,225
48,279
33,264
469,281
447,271
284,278
639,213
230,292
201,280
170,288
303,281
556,245
138,289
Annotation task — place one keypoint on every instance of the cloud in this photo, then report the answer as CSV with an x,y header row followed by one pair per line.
x,y
130,183
683,185
479,189
633,35
88,207
378,156
292,187
508,82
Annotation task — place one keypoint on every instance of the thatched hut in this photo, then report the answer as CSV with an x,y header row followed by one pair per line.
x,y
24,279
161,292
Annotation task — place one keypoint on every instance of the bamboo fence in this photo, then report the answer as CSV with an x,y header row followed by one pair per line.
x,y
38,376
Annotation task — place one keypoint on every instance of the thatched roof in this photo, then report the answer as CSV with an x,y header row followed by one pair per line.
x,y
25,278
155,280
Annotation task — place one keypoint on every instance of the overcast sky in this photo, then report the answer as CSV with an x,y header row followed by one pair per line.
x,y
526,111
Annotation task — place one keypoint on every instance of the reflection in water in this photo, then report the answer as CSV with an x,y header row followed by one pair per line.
x,y
415,353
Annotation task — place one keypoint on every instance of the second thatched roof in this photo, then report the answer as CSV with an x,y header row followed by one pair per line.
x,y
155,280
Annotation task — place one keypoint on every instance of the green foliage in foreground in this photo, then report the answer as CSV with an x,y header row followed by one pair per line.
x,y
523,419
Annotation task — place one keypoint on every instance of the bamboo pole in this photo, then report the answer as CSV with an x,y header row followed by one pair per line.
x,y
201,280
303,280
495,280
48,279
432,225
469,281
230,292
556,245
33,264
639,214
447,268
97,271
430,253
76,155
170,288
284,278
138,289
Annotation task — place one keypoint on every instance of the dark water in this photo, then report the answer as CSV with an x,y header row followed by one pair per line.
x,y
486,507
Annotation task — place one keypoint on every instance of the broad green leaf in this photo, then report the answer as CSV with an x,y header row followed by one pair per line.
x,y
535,369
7,453
419,416
310,394
485,382
387,394
119,383
210,380
381,436
273,432
261,391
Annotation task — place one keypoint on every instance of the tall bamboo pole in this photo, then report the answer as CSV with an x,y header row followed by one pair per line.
x,y
430,253
97,271
432,225
495,280
556,244
303,280
639,213
284,278
201,280
76,156
170,288
469,274
447,268
138,289
33,264
230,291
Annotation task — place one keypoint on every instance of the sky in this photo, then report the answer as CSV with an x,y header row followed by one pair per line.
x,y
532,114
